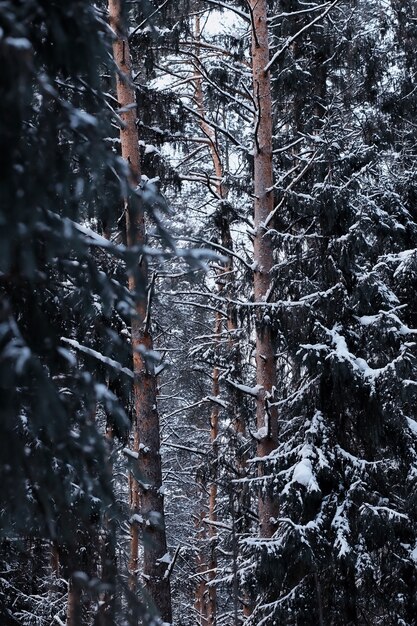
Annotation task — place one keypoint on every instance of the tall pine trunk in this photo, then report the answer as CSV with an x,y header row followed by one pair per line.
x,y
266,413
147,434
208,609
225,285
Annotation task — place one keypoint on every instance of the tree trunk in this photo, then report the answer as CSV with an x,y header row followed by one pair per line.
x,y
200,603
266,414
55,564
134,503
214,431
204,125
225,279
107,605
74,608
145,389
208,610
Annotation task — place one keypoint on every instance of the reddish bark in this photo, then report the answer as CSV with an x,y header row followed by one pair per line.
x,y
206,595
266,415
204,125
145,389
224,282
212,513
134,502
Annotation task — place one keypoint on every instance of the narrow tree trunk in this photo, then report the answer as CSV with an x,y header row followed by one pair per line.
x,y
214,431
74,609
266,415
151,497
208,610
200,603
225,283
107,604
204,125
134,501
145,389
55,565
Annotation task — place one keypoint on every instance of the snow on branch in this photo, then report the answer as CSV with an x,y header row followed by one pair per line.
x,y
97,355
368,320
384,510
341,525
251,391
359,365
291,40
230,7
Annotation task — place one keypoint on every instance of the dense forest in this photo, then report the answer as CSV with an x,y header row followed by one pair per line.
x,y
208,314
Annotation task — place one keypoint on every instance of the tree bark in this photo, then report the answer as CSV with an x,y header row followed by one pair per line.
x,y
208,610
55,564
266,413
225,286
107,605
144,386
74,608
134,503
205,127
214,431
200,603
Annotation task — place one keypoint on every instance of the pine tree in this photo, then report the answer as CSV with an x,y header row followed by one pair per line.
x,y
58,349
346,452
147,435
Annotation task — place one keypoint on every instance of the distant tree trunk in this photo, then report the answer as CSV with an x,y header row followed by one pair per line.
x,y
145,389
134,502
107,604
74,608
204,125
208,609
212,513
225,284
266,413
200,603
55,565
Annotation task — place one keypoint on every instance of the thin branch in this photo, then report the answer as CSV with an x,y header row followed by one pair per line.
x,y
186,448
229,7
225,132
147,18
170,567
291,40
290,186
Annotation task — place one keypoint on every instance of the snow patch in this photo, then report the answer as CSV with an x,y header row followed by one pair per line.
x,y
78,118
303,473
412,424
165,559
251,391
20,43
261,433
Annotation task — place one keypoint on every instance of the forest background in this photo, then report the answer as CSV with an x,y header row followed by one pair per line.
x,y
208,268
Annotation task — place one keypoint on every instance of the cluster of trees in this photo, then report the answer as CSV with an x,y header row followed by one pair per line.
x,y
208,267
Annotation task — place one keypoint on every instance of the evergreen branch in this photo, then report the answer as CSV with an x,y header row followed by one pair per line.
x,y
229,7
147,19
293,38
222,130
97,355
